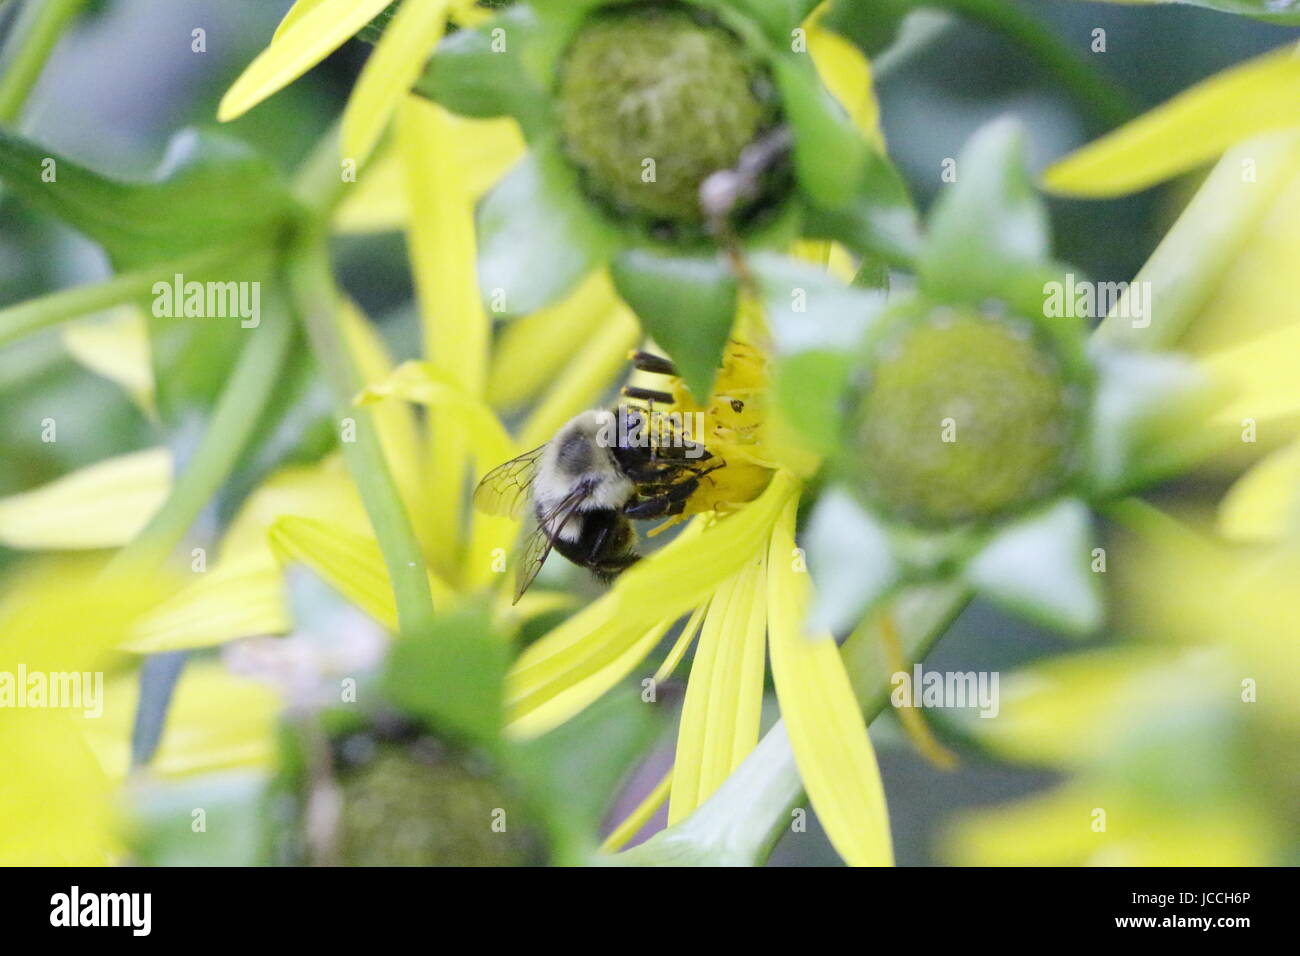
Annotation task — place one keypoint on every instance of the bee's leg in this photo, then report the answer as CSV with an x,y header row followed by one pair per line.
x,y
649,362
669,502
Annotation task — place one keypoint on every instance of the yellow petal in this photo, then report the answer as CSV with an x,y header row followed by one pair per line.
x,y
216,721
376,202
530,349
827,733
1258,96
847,75
1264,504
425,384
457,331
1056,830
581,383
724,698
117,348
351,563
689,632
639,817
238,598
102,506
318,31
397,60
295,13
1264,374
553,678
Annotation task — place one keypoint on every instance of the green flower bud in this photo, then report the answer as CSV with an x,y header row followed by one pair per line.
x,y
964,417
418,805
651,101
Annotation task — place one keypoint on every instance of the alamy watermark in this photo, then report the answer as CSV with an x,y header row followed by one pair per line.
x,y
946,689
684,430
70,690
181,299
1083,299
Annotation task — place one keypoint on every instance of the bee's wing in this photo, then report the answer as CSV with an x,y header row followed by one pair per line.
x,y
539,537
504,490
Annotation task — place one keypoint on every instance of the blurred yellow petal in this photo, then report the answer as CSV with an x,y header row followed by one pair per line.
x,y
579,674
847,74
1264,374
397,60
1264,504
457,331
582,382
101,506
827,732
376,202
350,563
315,33
1255,289
1069,711
216,721
238,598
1259,96
323,490
117,347
424,384
724,697
56,800
558,675
530,349
1058,830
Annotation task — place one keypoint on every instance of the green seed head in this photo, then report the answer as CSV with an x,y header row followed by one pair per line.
x,y
964,417
414,805
652,101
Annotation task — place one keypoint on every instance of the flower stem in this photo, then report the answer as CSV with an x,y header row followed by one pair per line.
x,y
233,420
45,311
37,30
311,284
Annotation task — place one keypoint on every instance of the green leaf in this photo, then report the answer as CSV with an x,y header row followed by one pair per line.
x,y
989,226
575,770
452,676
809,389
1039,567
476,74
208,191
877,219
851,561
830,154
537,234
871,24
686,304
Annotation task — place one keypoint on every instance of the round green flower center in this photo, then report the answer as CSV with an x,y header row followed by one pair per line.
x,y
651,101
405,807
964,417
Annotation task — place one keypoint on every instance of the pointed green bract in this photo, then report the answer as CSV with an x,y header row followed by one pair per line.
x,y
989,225
686,304
1039,567
453,675
850,559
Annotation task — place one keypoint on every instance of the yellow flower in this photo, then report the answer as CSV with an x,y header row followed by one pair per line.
x,y
738,577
